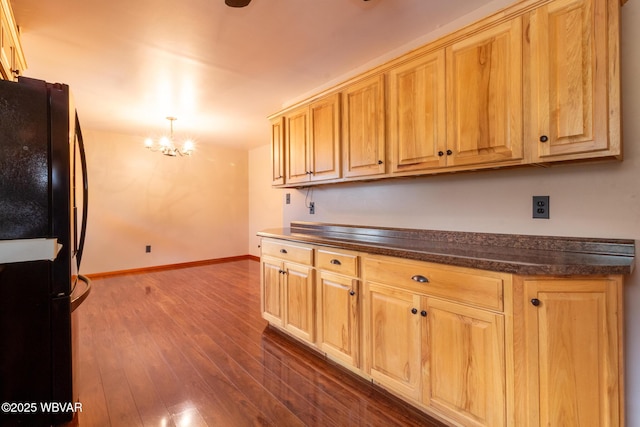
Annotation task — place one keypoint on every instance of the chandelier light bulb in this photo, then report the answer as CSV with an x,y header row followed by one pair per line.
x,y
188,147
166,144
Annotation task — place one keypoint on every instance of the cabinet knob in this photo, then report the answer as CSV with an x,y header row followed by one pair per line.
x,y
352,292
414,310
449,152
423,313
535,302
544,138
283,251
440,153
335,262
380,162
420,279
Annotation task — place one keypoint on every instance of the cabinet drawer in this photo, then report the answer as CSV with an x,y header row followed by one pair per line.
x,y
300,254
477,287
338,262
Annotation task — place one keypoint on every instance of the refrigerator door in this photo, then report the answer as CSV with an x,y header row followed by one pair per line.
x,y
24,161
25,339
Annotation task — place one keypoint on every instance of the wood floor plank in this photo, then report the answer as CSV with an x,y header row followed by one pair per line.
x,y
188,347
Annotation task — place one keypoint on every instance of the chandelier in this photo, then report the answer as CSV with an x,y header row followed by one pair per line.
x,y
166,145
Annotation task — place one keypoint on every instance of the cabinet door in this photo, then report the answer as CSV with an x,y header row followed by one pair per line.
x,y
6,47
277,151
572,337
12,61
417,127
325,138
299,301
297,146
394,339
484,95
338,317
569,79
271,290
364,127
465,364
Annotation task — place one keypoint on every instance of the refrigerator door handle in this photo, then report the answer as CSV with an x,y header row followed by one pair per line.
x,y
85,192
77,300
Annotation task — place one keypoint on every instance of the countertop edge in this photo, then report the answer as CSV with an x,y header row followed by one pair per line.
x,y
582,264
23,250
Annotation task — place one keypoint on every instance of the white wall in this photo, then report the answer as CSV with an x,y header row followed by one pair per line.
x,y
595,200
265,204
187,208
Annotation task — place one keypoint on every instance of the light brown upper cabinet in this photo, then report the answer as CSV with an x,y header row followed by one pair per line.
x,y
12,61
297,145
461,105
484,94
574,80
534,83
364,145
313,141
417,127
324,117
277,151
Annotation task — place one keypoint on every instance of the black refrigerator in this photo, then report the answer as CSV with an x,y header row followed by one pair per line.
x,y
43,196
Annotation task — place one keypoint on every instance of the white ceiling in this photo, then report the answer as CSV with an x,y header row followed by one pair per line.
x,y
220,70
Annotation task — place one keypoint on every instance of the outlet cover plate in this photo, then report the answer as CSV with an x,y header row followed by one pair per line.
x,y
541,207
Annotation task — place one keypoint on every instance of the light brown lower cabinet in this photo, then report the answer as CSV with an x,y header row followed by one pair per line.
x,y
571,351
338,308
464,363
471,347
446,356
338,317
287,291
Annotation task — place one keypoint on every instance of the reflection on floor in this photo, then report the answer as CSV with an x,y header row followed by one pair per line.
x,y
188,347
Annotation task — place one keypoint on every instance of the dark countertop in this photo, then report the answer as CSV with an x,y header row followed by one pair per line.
x,y
509,253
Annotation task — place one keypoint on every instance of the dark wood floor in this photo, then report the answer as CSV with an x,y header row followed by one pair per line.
x,y
188,347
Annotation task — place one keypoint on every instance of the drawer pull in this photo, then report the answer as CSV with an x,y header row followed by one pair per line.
x,y
335,262
283,251
420,279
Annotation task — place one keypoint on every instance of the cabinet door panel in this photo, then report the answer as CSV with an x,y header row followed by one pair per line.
x,y
364,129
484,90
277,151
338,314
325,138
300,310
272,307
395,339
297,137
572,356
417,126
569,77
464,377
